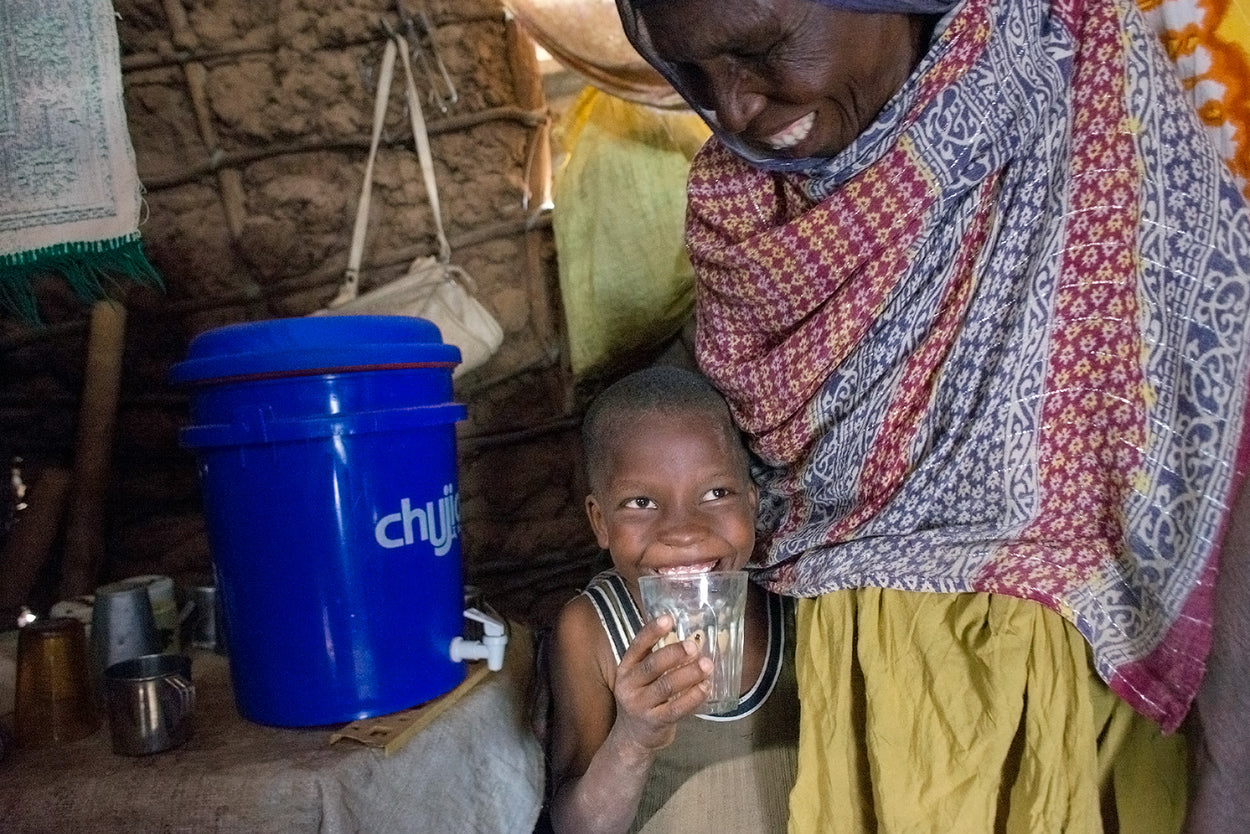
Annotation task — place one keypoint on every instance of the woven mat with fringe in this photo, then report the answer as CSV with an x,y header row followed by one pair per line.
x,y
69,191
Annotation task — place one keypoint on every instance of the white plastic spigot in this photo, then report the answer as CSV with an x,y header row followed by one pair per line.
x,y
490,648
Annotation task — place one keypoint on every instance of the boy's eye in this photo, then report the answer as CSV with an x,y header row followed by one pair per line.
x,y
640,503
716,492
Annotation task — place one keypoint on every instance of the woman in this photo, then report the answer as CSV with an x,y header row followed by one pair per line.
x,y
976,285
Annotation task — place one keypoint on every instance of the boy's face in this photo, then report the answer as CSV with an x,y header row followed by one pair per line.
x,y
675,495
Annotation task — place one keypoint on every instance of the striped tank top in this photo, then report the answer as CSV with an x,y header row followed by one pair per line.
x,y
728,772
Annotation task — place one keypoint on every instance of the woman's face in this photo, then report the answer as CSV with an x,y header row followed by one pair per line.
x,y
789,78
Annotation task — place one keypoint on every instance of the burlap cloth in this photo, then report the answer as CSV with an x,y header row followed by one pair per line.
x,y
476,768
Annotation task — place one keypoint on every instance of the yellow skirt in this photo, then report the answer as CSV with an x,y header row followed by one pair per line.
x,y
968,713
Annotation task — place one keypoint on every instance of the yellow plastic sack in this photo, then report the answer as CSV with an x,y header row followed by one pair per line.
x,y
619,222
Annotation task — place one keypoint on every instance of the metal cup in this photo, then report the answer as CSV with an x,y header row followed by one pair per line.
x,y
164,609
53,700
151,703
203,623
122,626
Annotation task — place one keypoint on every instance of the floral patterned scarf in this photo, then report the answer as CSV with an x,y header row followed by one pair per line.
x,y
1000,343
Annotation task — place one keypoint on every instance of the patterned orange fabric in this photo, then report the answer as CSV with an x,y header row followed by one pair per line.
x,y
1209,41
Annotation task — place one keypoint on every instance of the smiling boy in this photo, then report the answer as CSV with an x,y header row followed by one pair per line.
x,y
671,491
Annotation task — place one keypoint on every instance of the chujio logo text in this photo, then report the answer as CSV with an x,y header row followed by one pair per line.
x,y
439,525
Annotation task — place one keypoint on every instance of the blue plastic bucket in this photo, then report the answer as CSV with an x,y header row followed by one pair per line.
x,y
327,457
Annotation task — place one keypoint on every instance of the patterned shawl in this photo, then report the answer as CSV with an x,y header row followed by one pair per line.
x,y
1000,343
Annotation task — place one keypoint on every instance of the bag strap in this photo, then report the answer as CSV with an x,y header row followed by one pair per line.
x,y
422,141
395,45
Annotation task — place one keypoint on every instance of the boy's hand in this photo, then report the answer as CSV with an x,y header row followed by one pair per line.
x,y
655,688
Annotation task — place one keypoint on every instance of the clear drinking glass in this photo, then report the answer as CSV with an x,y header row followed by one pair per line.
x,y
709,609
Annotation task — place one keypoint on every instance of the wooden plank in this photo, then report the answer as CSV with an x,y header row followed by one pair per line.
x,y
391,732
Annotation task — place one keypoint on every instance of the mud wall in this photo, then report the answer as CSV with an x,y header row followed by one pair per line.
x,y
250,123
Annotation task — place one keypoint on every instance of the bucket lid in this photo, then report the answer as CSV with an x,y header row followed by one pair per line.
x,y
313,344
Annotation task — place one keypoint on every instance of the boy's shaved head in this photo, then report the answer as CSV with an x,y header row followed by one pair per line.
x,y
663,389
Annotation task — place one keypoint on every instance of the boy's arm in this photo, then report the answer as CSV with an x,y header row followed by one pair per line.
x,y
583,711
602,751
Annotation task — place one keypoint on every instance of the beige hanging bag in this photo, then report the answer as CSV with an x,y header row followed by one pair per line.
x,y
433,288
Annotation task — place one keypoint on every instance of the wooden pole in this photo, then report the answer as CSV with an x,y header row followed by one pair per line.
x,y
93,451
30,542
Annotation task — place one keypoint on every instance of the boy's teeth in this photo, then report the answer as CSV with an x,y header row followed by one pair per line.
x,y
682,569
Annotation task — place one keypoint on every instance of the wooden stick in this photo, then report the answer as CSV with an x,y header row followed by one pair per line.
x,y
219,158
29,544
93,451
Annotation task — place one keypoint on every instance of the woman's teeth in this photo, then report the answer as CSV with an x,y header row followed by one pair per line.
x,y
792,135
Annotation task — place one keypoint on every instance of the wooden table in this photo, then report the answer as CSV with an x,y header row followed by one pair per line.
x,y
475,767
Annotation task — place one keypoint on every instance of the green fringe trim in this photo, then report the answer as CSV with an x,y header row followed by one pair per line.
x,y
90,269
